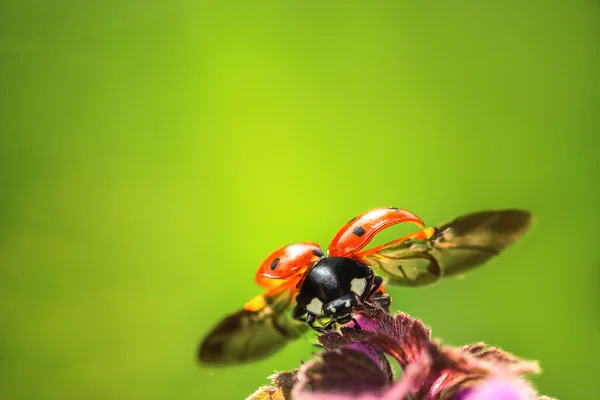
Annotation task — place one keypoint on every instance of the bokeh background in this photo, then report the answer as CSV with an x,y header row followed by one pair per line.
x,y
153,153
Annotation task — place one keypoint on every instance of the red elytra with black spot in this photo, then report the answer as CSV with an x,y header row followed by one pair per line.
x,y
288,260
358,232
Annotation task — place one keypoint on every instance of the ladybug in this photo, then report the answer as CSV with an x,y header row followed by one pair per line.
x,y
306,288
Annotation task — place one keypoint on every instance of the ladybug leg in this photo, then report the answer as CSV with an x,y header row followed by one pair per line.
x,y
356,326
328,326
384,301
377,294
376,284
310,320
298,313
371,278
376,297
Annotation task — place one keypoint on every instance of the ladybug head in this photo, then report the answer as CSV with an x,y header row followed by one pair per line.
x,y
340,309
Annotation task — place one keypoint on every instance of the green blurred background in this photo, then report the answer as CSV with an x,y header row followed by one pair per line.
x,y
153,153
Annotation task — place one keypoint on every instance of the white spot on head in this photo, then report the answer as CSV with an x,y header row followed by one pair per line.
x,y
332,309
357,285
315,306
347,304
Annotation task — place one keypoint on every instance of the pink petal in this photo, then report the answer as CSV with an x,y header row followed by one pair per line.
x,y
498,389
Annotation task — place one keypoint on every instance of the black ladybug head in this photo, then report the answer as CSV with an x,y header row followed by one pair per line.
x,y
340,309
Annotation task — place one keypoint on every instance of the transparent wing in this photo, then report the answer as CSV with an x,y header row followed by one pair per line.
x,y
451,248
250,335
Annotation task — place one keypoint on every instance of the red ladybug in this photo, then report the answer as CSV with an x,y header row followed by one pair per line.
x,y
306,288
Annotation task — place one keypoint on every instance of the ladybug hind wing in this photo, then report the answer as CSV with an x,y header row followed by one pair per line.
x,y
251,335
451,248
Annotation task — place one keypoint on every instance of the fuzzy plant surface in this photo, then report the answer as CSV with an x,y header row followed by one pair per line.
x,y
355,364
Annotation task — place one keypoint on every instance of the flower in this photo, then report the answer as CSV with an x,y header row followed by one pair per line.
x,y
506,388
354,364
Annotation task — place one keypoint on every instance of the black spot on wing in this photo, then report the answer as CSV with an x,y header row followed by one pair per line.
x,y
358,231
274,263
318,253
394,209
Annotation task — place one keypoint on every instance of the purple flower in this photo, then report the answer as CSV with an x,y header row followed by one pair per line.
x,y
354,364
506,388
